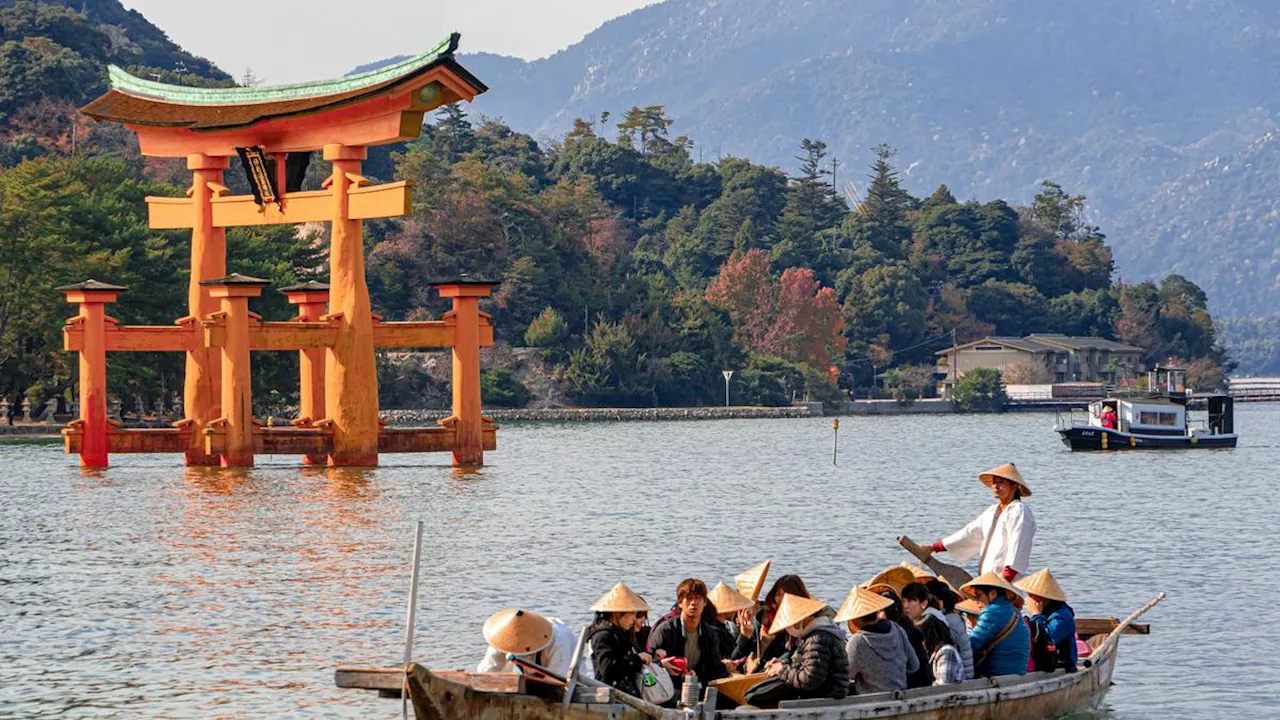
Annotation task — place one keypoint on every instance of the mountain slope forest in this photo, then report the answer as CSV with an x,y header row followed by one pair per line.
x,y
636,271
1140,105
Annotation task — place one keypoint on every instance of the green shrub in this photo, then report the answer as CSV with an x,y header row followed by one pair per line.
x,y
547,330
980,390
768,381
502,388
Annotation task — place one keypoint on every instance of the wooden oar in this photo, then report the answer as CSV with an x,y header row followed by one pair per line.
x,y
952,574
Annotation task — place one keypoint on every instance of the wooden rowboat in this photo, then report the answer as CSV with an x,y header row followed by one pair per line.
x,y
442,695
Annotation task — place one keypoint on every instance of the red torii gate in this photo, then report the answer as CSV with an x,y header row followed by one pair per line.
x,y
335,331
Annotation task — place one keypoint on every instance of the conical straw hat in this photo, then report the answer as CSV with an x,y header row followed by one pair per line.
x,y
1043,585
921,575
620,599
1007,471
988,580
727,601
517,631
792,610
971,607
751,582
861,602
894,578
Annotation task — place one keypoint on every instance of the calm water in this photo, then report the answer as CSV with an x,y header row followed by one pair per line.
x,y
150,590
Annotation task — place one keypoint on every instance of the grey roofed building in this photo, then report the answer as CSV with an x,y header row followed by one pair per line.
x,y
1064,358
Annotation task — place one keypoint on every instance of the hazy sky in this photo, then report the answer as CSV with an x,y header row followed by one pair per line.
x,y
293,40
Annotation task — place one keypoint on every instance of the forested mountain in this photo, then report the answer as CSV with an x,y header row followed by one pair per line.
x,y
1122,101
637,266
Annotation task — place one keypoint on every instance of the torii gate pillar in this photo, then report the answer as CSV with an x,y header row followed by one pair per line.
x,y
202,387
351,377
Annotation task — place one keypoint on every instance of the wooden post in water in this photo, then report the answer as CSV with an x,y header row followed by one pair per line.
x,y
835,438
312,300
411,615
233,292
92,297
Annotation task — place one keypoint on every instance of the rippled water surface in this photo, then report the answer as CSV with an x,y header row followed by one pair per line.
x,y
151,590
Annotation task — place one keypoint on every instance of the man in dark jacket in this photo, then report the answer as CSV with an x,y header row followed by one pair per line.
x,y
818,666
687,635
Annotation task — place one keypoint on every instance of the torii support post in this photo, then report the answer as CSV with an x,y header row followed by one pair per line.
x,y
201,388
351,378
467,419
312,300
93,296
233,293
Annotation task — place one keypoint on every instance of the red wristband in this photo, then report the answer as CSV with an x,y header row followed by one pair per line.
x,y
1009,573
938,547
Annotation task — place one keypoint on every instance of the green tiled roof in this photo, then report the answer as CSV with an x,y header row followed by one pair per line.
x,y
179,94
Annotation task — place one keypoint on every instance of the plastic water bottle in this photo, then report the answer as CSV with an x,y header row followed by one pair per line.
x,y
691,693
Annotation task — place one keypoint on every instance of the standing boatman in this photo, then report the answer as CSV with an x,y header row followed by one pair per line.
x,y
1001,536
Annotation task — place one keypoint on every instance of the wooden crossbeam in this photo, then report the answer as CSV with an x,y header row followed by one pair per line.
x,y
366,203
135,338
135,440
277,335
425,334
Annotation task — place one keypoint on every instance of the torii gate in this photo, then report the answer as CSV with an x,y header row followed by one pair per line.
x,y
335,332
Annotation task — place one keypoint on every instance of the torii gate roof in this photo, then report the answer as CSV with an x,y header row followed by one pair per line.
x,y
269,114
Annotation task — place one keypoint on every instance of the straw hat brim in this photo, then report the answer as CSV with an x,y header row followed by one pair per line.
x,y
921,575
990,580
860,603
518,631
751,581
793,610
727,600
620,599
1042,584
969,606
1008,472
894,578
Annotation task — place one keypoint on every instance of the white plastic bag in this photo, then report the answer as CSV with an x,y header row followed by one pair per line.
x,y
655,684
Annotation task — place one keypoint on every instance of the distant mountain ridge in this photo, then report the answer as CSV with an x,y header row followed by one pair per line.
x,y
1123,102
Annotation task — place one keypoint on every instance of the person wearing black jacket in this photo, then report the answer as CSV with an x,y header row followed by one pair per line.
x,y
687,635
613,654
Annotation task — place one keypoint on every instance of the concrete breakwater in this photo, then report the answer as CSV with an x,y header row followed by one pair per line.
x,y
419,417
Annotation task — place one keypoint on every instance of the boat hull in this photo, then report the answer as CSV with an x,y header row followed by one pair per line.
x,y
1089,437
1037,697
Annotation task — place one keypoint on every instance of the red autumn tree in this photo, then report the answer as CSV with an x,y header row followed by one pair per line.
x,y
793,318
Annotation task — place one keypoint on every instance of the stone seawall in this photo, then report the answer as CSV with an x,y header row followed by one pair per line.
x,y
421,417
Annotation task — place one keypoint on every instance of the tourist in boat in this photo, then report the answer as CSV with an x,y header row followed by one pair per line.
x,y
890,583
613,656
917,608
1001,536
944,657
640,631
817,666
546,642
726,604
756,646
1000,639
1108,417
946,600
879,653
688,636
1053,622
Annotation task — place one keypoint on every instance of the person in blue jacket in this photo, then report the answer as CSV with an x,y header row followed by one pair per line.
x,y
1000,639
1053,622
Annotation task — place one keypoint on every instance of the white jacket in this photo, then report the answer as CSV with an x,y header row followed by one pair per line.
x,y
1010,543
555,657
